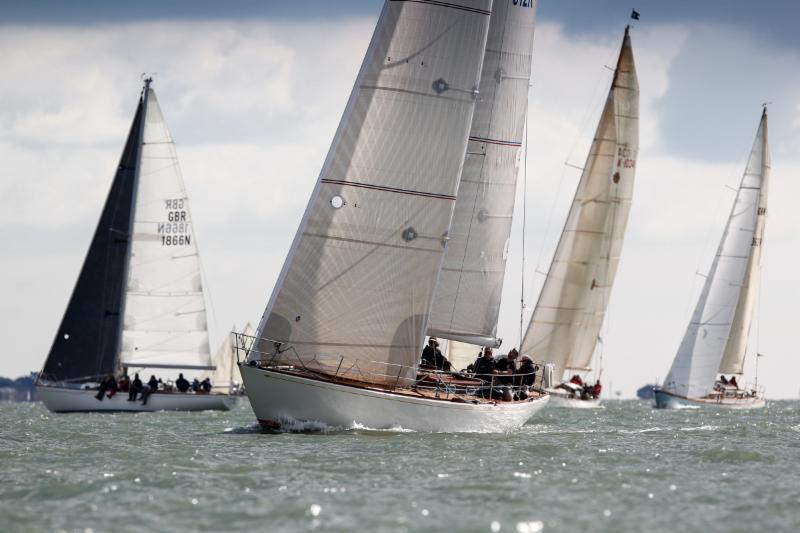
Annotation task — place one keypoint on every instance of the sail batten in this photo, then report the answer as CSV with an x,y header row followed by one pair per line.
x,y
467,299
354,293
716,337
572,304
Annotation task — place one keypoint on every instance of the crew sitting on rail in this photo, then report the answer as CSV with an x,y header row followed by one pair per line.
x,y
506,366
153,383
135,388
432,356
205,385
597,389
124,383
484,365
108,385
732,382
723,380
525,374
182,384
576,379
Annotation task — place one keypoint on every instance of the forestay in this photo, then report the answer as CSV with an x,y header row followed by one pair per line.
x,y
165,313
467,298
354,293
572,304
716,338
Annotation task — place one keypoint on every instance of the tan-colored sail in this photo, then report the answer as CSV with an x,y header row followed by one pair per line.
x,y
571,307
736,347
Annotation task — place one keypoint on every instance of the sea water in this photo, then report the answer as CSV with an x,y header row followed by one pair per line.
x,y
625,467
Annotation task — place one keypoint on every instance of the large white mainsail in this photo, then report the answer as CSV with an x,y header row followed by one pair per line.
x,y
716,338
467,299
164,322
573,301
355,291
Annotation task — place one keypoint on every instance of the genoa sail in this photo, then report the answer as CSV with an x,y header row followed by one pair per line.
x,y
164,311
716,337
467,299
87,341
354,294
572,304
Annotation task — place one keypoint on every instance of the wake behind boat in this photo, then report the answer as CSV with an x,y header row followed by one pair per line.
x,y
138,302
340,338
715,342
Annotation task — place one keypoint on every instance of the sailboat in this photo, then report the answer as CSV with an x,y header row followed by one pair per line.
x,y
340,339
138,303
224,377
565,326
715,342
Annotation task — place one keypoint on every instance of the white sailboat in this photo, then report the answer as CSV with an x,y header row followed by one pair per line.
x,y
339,342
138,303
715,342
224,376
569,314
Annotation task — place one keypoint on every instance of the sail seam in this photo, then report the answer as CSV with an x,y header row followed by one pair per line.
x,y
448,4
389,189
495,141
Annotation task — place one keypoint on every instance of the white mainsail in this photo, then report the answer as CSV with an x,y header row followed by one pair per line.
x,y
716,338
164,314
355,291
572,304
467,299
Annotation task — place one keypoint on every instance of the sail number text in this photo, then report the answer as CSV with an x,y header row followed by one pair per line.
x,y
176,230
624,159
523,3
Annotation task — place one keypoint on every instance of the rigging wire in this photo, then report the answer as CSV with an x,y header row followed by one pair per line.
x,y
524,222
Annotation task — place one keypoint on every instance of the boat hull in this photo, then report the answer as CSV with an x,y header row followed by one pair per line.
x,y
66,400
282,400
665,400
562,400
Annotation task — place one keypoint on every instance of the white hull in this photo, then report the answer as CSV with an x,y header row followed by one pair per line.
x,y
282,399
63,400
559,399
664,400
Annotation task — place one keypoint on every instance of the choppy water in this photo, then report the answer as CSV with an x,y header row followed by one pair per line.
x,y
622,468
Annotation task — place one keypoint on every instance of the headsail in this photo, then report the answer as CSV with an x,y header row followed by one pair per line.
x,y
165,313
87,340
467,299
573,302
355,290
716,338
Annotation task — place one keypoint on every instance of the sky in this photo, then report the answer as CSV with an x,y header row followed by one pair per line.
x,y
253,92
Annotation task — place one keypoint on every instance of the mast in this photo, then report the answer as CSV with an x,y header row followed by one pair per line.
x,y
574,299
716,336
354,294
466,304
126,266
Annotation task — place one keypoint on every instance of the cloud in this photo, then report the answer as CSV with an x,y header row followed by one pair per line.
x,y
253,106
